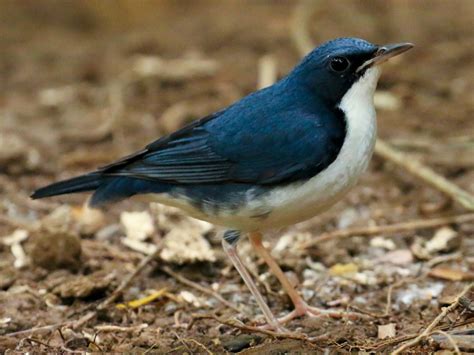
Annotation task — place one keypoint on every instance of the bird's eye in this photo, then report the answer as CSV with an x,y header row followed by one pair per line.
x,y
339,64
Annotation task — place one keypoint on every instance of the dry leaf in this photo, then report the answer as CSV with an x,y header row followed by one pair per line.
x,y
343,269
183,245
445,239
384,243
190,298
138,225
398,257
137,245
451,274
441,240
386,331
142,301
185,241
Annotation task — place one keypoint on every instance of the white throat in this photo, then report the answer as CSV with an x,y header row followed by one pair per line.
x,y
361,124
359,99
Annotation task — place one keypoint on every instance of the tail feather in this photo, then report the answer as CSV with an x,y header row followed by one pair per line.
x,y
82,183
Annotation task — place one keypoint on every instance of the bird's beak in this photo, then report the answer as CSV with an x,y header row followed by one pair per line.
x,y
384,53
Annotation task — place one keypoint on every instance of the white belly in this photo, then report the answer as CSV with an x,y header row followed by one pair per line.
x,y
300,201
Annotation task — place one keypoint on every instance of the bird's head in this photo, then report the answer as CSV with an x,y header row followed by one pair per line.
x,y
331,69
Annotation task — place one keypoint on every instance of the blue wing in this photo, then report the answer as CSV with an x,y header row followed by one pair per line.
x,y
242,144
271,137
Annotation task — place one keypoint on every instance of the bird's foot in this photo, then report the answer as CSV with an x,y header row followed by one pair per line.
x,y
303,309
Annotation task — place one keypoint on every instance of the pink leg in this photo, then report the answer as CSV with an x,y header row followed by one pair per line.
x,y
231,250
301,307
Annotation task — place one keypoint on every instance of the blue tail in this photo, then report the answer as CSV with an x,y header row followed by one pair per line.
x,y
82,183
107,188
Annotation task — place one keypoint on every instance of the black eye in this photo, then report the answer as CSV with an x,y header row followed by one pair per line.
x,y
339,64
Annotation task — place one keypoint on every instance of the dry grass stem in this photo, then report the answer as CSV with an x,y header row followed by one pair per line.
x,y
434,323
267,71
409,226
425,174
200,288
126,282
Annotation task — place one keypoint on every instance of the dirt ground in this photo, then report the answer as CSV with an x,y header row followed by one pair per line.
x,y
84,83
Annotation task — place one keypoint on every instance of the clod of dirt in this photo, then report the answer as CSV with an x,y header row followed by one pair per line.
x,y
77,344
56,250
84,286
7,278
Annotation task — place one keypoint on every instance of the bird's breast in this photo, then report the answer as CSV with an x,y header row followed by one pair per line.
x,y
283,205
302,200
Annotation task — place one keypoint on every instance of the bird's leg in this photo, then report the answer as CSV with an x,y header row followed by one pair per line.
x,y
301,307
229,243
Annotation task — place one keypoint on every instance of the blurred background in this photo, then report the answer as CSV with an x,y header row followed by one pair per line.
x,y
85,82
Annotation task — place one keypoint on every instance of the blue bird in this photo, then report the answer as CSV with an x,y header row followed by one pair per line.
x,y
276,157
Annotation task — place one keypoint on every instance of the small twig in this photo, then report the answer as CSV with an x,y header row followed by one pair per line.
x,y
38,329
202,346
450,340
391,228
83,320
301,19
239,325
388,306
431,143
434,323
32,340
126,282
200,288
299,28
116,328
267,71
443,259
182,342
425,174
384,344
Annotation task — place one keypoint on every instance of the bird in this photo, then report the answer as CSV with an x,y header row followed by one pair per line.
x,y
276,157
